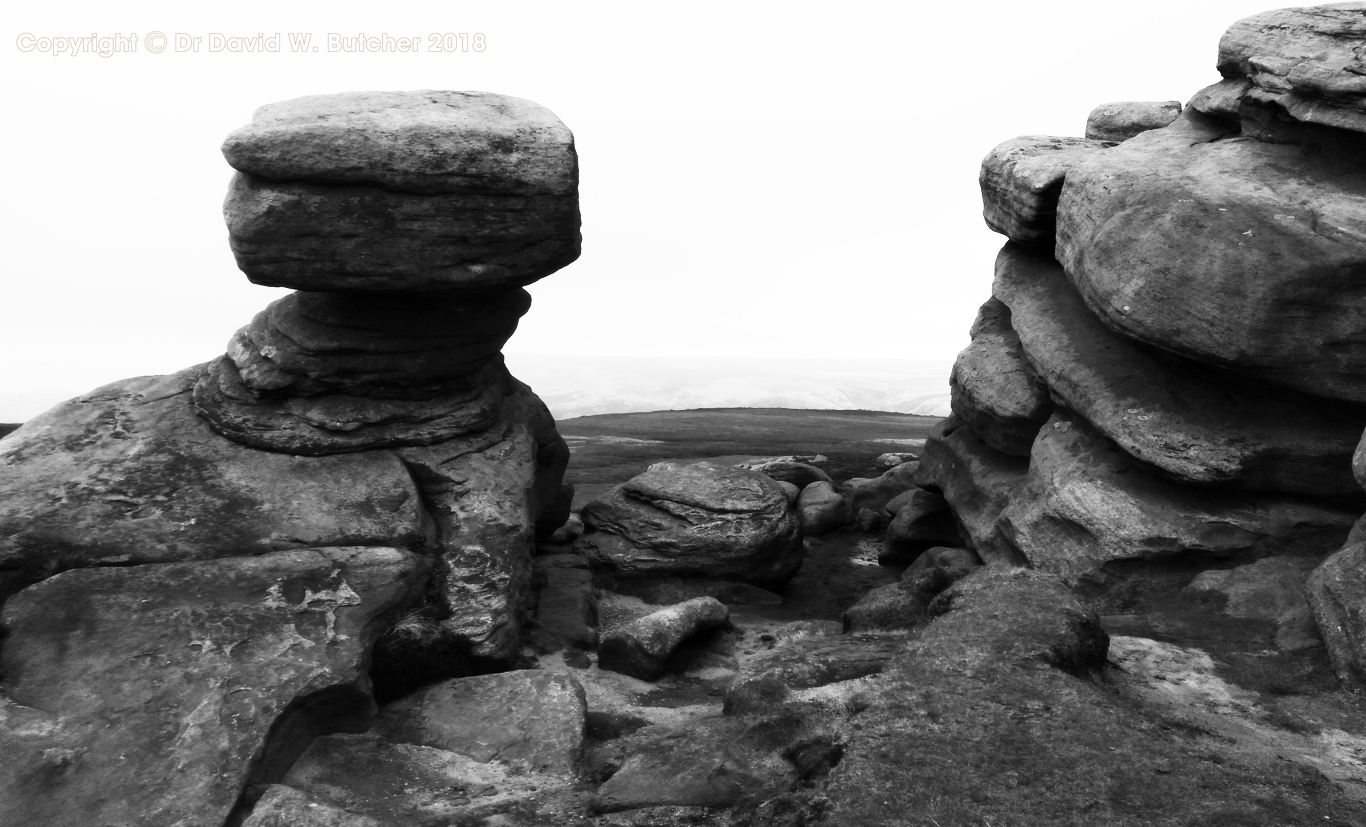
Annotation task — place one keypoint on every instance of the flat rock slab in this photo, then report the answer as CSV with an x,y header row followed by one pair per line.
x,y
425,142
1086,504
356,238
1021,180
161,689
642,647
994,389
1193,424
129,474
528,719
695,766
704,519
1122,121
427,190
1276,232
808,662
395,784
283,806
1307,61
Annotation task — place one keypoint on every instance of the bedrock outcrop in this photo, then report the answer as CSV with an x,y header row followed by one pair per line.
x,y
202,572
1181,299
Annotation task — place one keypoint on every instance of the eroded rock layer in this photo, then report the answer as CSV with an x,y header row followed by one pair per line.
x,y
1184,300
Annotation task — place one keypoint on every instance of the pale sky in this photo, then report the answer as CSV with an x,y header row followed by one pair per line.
x,y
757,179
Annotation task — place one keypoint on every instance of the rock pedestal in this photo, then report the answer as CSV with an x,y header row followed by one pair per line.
x,y
205,570
1170,361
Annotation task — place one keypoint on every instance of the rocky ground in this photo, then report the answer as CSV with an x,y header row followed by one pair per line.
x,y
1007,699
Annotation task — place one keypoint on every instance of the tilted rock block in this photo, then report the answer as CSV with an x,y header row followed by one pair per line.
x,y
1087,504
533,719
995,391
923,522
641,648
1122,121
1179,417
977,482
1308,62
1236,253
162,689
1021,179
699,519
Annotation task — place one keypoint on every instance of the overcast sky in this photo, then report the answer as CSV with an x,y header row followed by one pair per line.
x,y
757,179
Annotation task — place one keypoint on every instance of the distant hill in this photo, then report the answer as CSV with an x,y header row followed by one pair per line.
x,y
585,385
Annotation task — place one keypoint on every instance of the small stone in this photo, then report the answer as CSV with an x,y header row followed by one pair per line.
x,y
1122,121
823,509
641,648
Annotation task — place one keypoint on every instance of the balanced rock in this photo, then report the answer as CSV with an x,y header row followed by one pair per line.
x,y
151,694
823,509
1021,180
1122,121
642,647
423,190
1169,413
1274,229
699,519
1087,504
995,391
1307,62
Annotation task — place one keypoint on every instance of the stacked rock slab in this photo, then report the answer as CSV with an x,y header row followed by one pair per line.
x,y
1170,362
203,571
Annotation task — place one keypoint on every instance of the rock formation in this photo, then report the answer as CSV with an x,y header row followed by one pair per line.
x,y
1170,362
197,567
